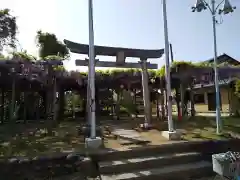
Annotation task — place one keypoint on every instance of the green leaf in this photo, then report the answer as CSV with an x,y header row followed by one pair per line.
x,y
8,29
49,45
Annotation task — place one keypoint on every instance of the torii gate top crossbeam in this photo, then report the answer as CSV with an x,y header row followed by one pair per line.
x,y
113,51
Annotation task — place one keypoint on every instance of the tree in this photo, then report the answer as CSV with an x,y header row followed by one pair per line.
x,y
24,56
49,45
8,29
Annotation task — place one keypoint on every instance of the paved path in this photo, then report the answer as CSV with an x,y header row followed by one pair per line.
x,y
127,133
212,114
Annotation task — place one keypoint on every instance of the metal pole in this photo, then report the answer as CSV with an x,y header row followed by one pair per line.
x,y
167,69
218,114
91,71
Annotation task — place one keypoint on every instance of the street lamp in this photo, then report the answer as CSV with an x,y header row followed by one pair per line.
x,y
215,9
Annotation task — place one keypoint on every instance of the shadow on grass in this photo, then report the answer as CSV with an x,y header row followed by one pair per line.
x,y
202,127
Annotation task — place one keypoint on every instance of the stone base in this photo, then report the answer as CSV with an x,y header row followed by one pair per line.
x,y
175,135
93,143
146,126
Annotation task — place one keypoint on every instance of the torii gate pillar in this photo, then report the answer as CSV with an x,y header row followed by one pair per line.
x,y
146,94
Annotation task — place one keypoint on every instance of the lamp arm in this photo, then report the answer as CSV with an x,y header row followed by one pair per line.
x,y
207,5
215,10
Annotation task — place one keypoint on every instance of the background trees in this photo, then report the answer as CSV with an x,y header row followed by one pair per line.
x,y
8,29
49,45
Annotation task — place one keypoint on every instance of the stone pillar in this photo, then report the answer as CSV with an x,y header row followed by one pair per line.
x,y
146,94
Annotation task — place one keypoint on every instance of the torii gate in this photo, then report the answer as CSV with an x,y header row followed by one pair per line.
x,y
121,54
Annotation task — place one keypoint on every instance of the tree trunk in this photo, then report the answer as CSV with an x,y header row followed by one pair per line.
x,y
117,107
192,102
44,95
182,93
49,102
50,94
2,104
55,101
61,105
13,101
157,106
25,108
38,107
178,101
162,103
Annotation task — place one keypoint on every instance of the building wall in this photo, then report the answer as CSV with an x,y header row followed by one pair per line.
x,y
203,107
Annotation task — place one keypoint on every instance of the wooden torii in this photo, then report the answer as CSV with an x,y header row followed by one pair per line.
x,y
121,54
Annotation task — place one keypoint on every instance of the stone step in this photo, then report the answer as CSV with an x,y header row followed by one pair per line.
x,y
174,172
166,149
129,165
130,135
149,151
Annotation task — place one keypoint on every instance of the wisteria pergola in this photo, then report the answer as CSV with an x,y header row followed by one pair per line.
x,y
44,83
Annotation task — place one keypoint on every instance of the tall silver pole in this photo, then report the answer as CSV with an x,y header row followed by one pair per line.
x,y
218,114
167,69
91,71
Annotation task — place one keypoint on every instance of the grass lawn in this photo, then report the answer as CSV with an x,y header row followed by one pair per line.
x,y
35,139
203,108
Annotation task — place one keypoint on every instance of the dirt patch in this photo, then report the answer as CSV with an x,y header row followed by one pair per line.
x,y
197,128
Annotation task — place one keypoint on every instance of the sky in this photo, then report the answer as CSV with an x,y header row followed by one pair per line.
x,y
130,24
